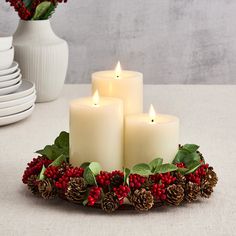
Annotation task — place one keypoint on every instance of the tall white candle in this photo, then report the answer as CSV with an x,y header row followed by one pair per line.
x,y
96,132
148,136
126,85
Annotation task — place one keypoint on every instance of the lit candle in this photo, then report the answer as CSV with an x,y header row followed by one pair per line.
x,y
123,84
148,136
96,131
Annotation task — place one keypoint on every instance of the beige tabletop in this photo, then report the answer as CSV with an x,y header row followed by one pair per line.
x,y
208,118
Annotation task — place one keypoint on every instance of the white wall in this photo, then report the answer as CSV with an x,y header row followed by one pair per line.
x,y
170,41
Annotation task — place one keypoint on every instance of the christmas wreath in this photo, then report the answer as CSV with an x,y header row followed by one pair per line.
x,y
144,186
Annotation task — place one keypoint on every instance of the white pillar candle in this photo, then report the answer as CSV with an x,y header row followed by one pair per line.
x,y
126,85
96,132
148,136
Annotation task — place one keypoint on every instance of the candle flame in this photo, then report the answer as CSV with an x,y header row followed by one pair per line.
x,y
118,70
96,98
152,114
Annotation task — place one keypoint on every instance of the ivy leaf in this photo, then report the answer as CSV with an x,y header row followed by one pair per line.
x,y
155,163
41,9
141,169
193,166
164,168
58,161
41,175
89,176
126,175
190,147
62,140
85,165
95,167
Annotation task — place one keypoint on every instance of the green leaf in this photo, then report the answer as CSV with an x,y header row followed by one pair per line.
x,y
41,10
27,3
85,165
49,12
85,202
126,175
190,147
58,161
192,157
141,169
89,176
193,167
47,151
62,140
180,156
164,168
95,168
41,175
155,163
182,170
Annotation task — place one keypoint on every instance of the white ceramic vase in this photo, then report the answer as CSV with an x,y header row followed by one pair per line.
x,y
42,57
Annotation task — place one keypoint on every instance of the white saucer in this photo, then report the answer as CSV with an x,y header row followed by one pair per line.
x,y
17,117
18,101
16,109
10,70
11,82
25,89
10,89
10,76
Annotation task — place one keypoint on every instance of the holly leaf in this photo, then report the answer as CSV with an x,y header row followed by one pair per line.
x,y
85,165
126,175
41,175
164,168
47,151
58,161
155,163
41,10
193,166
190,147
95,168
62,140
89,176
141,169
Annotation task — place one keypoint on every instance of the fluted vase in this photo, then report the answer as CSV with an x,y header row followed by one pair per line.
x,y
42,57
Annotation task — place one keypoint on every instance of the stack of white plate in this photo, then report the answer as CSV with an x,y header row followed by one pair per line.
x,y
17,97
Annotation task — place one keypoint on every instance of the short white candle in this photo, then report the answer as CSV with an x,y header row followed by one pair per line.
x,y
96,132
148,136
126,85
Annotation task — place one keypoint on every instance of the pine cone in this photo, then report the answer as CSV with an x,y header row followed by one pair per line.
x,y
211,177
63,167
110,202
142,199
76,189
117,180
175,194
192,191
180,179
206,188
32,184
47,189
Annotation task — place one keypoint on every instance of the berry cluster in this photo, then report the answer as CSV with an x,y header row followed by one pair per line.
x,y
121,192
70,172
159,192
103,179
94,195
180,165
165,179
136,181
34,167
52,172
198,174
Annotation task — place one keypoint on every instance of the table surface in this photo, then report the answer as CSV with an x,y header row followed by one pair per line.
x,y
208,118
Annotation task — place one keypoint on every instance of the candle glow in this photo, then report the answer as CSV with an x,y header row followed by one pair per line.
x,y
152,114
96,98
118,70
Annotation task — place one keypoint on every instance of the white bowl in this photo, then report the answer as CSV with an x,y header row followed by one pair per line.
x,y
10,76
18,101
10,89
6,120
6,58
16,109
25,89
11,82
5,43
10,70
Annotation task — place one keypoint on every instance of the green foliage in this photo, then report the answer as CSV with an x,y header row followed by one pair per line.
x,y
58,161
126,175
91,171
41,175
155,163
141,169
60,146
164,168
44,10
